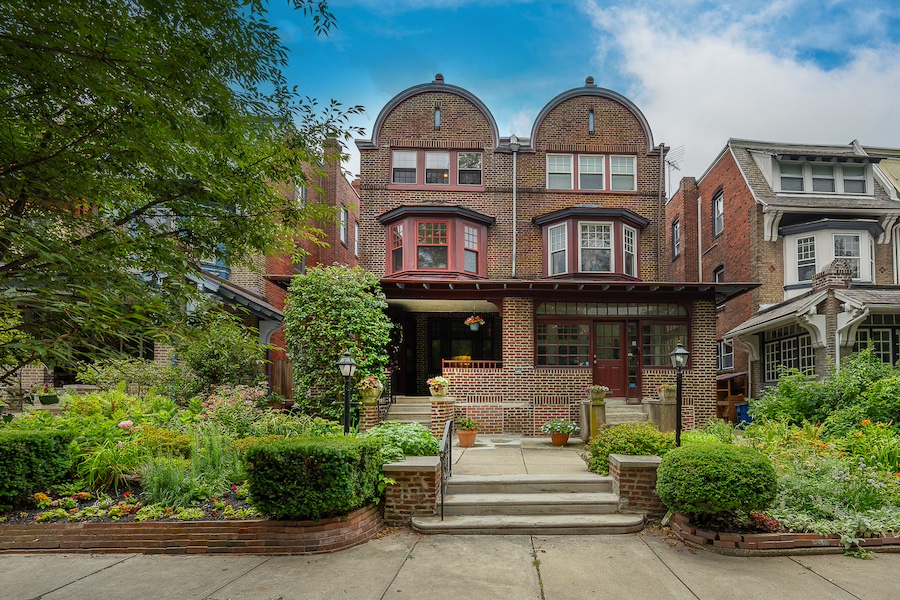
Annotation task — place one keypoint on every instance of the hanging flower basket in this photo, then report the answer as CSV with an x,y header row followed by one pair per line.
x,y
474,322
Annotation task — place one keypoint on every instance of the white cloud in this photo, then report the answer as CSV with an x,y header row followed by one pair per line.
x,y
699,86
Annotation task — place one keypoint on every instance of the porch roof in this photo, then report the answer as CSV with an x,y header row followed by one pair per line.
x,y
553,288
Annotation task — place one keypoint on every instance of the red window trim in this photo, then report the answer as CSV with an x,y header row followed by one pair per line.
x,y
453,186
455,246
573,248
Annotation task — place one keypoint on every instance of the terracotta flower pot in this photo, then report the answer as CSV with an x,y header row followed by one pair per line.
x,y
466,437
559,439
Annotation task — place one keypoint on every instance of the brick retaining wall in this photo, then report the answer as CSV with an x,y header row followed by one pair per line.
x,y
196,537
415,491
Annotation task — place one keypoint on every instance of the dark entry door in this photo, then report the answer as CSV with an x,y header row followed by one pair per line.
x,y
610,357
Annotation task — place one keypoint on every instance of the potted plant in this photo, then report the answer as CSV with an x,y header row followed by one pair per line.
x,y
466,430
46,394
474,322
596,393
559,430
370,388
666,392
438,385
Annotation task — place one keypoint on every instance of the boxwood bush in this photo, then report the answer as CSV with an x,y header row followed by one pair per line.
x,y
313,478
641,439
30,462
704,480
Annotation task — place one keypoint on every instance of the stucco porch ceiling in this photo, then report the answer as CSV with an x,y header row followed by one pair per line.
x,y
455,306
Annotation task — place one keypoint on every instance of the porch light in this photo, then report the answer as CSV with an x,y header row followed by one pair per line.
x,y
679,358
347,367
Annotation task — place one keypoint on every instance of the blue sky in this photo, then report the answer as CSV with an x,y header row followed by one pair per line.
x,y
825,71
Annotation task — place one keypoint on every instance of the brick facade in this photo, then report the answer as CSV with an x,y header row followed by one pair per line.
x,y
513,394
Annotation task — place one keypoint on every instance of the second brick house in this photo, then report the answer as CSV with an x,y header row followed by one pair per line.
x,y
815,225
552,239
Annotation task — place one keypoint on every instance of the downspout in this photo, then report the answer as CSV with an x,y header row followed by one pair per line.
x,y
514,146
699,238
660,214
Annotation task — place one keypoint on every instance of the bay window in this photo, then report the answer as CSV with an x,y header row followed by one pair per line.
x,y
437,240
629,247
846,247
806,258
558,249
596,247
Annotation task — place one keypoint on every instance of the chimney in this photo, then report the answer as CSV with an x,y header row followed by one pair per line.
x,y
835,275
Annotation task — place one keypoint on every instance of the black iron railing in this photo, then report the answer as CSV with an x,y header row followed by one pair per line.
x,y
446,460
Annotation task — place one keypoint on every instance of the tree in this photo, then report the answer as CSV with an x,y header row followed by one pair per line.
x,y
137,136
328,311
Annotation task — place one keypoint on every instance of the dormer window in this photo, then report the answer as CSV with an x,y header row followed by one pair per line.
x,y
590,242
823,177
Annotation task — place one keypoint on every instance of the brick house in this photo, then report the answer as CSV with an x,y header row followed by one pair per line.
x,y
553,240
257,290
814,226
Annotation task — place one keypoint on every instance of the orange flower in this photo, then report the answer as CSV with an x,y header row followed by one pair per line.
x,y
858,434
866,422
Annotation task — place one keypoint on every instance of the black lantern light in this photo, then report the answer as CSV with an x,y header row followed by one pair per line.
x,y
347,367
679,358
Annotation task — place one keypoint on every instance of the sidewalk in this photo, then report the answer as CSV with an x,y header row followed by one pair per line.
x,y
403,565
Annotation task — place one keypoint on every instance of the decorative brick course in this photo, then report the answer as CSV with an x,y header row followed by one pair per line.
x,y
199,537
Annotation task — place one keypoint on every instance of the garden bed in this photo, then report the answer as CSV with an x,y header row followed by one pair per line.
x,y
196,537
749,544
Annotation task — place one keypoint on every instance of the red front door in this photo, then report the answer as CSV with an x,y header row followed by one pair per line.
x,y
610,364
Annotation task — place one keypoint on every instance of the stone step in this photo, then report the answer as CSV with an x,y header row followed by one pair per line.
x,y
559,503
530,484
426,400
410,409
612,420
531,524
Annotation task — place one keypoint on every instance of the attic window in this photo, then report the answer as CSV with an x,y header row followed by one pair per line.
x,y
591,121
437,117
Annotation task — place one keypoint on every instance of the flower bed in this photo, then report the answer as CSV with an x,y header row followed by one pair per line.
x,y
747,543
198,537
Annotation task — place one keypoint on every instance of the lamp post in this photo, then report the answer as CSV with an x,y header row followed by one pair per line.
x,y
679,358
347,366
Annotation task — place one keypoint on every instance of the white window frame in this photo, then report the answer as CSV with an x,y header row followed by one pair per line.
x,y
595,159
724,350
399,160
850,258
676,237
611,246
718,202
806,257
554,158
808,181
632,163
356,238
629,238
817,178
345,224
471,244
561,244
719,274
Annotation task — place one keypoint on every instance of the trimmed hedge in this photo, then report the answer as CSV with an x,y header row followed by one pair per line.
x,y
313,478
30,462
709,479
640,439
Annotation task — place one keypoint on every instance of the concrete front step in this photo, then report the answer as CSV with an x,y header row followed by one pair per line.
x,y
531,524
424,400
530,484
531,504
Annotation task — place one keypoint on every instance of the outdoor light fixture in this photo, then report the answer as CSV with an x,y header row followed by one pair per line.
x,y
347,367
679,358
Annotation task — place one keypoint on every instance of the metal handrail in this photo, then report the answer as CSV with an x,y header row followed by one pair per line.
x,y
446,453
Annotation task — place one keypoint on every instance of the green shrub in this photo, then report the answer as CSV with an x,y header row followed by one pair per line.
x,y
400,440
313,478
110,465
639,439
31,461
710,479
162,441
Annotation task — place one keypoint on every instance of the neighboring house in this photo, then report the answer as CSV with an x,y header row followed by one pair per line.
x,y
256,292
815,226
552,239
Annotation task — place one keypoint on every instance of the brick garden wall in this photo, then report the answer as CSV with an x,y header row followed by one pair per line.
x,y
199,537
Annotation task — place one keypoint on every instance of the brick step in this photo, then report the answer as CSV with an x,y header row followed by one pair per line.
x,y
560,503
531,524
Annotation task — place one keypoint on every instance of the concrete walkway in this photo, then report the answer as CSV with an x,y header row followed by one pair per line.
x,y
404,565
517,455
